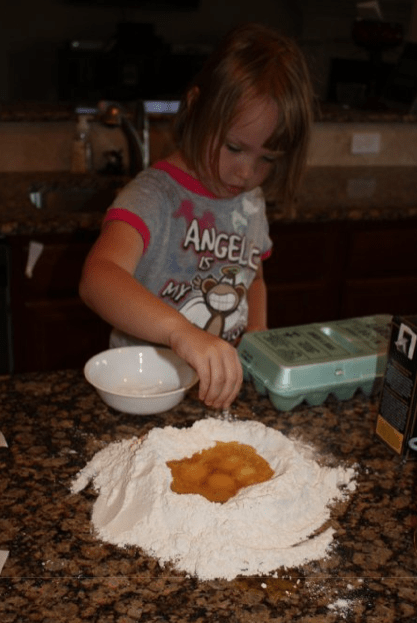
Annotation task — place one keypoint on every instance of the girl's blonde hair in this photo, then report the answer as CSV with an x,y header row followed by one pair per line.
x,y
252,61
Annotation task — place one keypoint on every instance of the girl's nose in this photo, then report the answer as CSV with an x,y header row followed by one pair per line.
x,y
245,170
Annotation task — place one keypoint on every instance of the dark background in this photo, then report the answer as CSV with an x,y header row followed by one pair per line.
x,y
128,50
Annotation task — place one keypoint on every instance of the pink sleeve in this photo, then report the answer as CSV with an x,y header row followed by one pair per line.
x,y
120,214
267,254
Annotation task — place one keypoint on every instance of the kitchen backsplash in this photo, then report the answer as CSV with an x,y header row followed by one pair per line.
x,y
356,144
46,146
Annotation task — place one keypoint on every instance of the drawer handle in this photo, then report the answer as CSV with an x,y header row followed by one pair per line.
x,y
34,253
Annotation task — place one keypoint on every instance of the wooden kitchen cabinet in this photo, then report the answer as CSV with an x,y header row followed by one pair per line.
x,y
381,269
51,327
301,274
325,271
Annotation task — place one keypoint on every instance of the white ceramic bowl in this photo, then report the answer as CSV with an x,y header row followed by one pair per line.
x,y
140,379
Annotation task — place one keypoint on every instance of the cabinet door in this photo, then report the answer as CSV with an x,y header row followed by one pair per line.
x,y
381,269
52,328
302,273
383,250
61,334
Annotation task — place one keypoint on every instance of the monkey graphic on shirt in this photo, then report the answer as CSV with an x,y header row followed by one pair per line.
x,y
221,297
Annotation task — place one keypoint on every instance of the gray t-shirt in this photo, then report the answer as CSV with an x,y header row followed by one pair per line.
x,y
201,253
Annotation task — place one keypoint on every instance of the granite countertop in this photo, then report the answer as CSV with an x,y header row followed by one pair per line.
x,y
326,194
19,216
353,193
57,570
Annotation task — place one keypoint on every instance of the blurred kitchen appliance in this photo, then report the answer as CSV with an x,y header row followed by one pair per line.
x,y
401,87
376,37
134,64
359,83
349,79
119,69
134,123
114,115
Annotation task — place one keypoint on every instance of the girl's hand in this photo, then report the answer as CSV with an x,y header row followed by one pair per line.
x,y
109,288
215,361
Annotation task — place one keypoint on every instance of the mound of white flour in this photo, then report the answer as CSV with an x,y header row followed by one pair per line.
x,y
262,528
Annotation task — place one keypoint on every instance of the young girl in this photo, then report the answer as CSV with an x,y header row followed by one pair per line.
x,y
179,258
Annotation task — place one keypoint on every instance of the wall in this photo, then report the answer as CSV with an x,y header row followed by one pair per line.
x,y
47,146
377,144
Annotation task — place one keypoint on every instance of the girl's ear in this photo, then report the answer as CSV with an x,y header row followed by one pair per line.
x,y
192,96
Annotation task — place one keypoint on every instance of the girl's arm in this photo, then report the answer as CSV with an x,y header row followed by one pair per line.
x,y
108,287
257,300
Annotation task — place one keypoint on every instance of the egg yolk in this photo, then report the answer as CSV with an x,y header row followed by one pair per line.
x,y
218,473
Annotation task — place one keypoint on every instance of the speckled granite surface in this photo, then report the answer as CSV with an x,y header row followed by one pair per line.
x,y
19,216
327,194
353,193
58,571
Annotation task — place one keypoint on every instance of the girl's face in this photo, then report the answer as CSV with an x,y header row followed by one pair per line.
x,y
244,162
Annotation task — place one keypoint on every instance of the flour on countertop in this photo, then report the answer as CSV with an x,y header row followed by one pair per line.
x,y
263,527
342,606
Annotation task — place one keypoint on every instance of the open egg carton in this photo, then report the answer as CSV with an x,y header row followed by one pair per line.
x,y
309,362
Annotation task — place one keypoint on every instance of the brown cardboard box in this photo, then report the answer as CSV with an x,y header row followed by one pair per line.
x,y
397,415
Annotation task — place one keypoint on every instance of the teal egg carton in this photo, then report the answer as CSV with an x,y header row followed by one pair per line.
x,y
309,362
